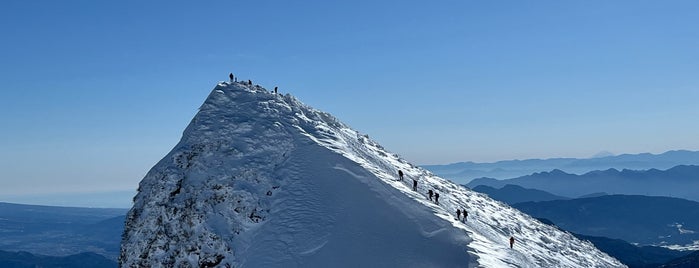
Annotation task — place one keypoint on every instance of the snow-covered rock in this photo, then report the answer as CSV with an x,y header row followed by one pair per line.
x,y
262,180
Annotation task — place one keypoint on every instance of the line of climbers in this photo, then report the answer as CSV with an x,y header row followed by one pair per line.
x,y
430,193
249,83
459,212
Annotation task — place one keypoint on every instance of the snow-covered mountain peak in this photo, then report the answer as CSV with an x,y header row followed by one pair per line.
x,y
262,180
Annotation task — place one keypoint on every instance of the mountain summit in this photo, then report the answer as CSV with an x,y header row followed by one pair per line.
x,y
262,180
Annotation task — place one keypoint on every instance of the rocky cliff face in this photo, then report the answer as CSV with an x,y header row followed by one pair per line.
x,y
262,180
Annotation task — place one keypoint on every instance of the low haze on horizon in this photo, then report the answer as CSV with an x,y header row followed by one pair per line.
x,y
95,93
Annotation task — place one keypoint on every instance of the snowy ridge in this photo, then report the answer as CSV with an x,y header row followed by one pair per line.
x,y
262,180
490,223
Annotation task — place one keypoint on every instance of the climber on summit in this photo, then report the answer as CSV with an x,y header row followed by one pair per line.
x,y
400,173
231,76
430,194
465,214
458,214
275,90
436,197
512,241
249,82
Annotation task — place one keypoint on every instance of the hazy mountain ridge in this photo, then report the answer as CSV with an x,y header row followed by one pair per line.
x,y
52,213
512,194
60,231
679,181
464,172
28,260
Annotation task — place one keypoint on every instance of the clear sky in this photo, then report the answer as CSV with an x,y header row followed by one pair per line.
x,y
94,93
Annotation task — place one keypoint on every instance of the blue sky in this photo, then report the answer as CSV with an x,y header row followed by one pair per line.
x,y
94,93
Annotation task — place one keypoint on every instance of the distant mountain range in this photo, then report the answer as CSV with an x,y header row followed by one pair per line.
x,y
643,220
512,194
679,181
464,172
104,199
60,231
27,260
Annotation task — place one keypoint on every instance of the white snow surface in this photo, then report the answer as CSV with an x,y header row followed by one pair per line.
x,y
262,180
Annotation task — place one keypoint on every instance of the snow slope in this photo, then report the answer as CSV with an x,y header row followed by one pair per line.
x,y
262,180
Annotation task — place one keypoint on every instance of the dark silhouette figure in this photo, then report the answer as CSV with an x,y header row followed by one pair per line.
x,y
249,82
512,241
400,173
230,76
458,214
430,193
465,213
414,185
436,198
275,90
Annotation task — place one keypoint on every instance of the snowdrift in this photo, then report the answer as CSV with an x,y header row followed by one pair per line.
x,y
262,180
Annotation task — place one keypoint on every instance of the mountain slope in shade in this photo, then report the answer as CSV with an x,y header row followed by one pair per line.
x,y
512,194
631,255
262,180
634,256
645,220
689,261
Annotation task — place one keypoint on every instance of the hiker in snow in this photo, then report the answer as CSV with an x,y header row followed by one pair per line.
x,y
275,90
458,214
512,241
230,76
249,82
400,175
436,197
465,214
414,185
430,193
